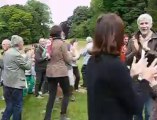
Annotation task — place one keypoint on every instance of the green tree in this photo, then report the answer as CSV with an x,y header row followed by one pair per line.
x,y
129,10
97,6
152,10
78,22
80,14
15,21
41,19
30,21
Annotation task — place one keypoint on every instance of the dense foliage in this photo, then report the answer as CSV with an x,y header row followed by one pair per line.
x,y
30,21
83,20
152,9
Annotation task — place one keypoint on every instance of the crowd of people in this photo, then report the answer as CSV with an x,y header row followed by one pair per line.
x,y
49,67
118,70
122,73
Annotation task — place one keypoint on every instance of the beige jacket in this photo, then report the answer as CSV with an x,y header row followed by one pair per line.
x,y
57,65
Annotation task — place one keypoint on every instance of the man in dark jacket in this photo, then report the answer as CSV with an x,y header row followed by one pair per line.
x,y
40,68
144,41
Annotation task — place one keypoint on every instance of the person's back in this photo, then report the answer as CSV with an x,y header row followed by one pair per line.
x,y
57,51
11,66
14,78
103,79
57,64
57,73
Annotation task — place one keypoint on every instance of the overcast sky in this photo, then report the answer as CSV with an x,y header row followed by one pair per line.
x,y
61,9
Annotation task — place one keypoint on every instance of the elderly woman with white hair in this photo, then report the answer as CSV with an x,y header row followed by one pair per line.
x,y
14,78
144,41
86,56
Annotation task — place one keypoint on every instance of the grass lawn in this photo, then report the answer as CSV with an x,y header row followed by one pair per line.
x,y
34,109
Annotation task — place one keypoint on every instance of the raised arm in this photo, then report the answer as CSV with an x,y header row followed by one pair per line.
x,y
23,63
131,52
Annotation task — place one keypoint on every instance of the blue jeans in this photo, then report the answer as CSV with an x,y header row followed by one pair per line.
x,y
14,101
138,116
147,110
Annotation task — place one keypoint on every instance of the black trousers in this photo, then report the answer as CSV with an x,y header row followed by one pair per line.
x,y
52,85
77,76
41,82
84,77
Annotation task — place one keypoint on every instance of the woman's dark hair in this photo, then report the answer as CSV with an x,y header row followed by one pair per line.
x,y
56,31
109,34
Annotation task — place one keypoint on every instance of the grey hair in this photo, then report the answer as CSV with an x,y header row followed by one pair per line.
x,y
7,41
16,40
89,39
146,17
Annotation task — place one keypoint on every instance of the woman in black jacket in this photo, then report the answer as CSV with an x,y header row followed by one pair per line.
x,y
111,94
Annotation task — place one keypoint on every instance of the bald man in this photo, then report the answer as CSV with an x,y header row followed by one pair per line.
x,y
6,44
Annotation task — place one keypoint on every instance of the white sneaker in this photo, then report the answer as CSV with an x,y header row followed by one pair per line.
x,y
40,93
39,97
1,98
63,117
57,100
81,90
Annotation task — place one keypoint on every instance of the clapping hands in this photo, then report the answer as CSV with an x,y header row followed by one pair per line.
x,y
149,73
136,68
143,43
140,68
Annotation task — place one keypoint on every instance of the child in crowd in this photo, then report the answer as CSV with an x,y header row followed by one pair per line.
x,y
29,77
